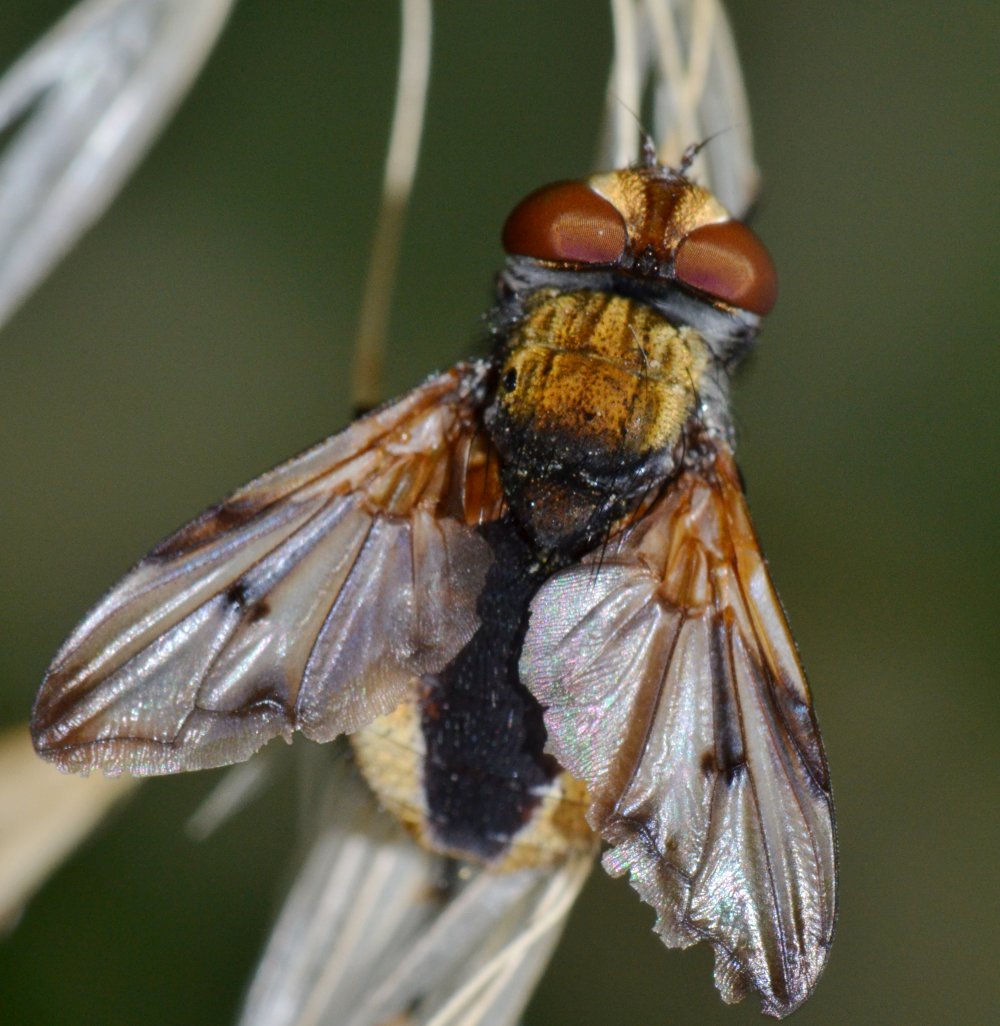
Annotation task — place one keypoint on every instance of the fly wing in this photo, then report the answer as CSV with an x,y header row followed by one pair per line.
x,y
306,601
673,690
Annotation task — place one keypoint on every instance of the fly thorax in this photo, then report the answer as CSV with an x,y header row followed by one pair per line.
x,y
593,394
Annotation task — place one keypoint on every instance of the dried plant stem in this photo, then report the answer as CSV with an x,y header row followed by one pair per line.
x,y
400,169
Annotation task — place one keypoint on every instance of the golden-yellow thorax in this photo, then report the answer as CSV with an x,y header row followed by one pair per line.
x,y
604,370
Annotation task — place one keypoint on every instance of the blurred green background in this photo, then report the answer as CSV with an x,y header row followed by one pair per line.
x,y
200,334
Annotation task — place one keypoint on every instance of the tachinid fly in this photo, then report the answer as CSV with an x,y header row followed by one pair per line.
x,y
529,591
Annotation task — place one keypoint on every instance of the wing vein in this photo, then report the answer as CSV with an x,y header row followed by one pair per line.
x,y
331,611
772,885
255,564
654,712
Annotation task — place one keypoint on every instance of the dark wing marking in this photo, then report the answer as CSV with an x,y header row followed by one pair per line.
x,y
673,690
306,601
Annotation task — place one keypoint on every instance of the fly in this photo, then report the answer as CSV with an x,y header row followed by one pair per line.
x,y
529,592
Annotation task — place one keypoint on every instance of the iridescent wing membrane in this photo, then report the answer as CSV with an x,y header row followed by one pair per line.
x,y
673,690
309,600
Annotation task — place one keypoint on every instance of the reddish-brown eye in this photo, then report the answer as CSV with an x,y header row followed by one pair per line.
x,y
727,261
565,222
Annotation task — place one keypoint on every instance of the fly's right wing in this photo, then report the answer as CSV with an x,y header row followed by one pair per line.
x,y
672,688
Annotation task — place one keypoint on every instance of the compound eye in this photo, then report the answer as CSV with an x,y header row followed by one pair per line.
x,y
566,222
728,261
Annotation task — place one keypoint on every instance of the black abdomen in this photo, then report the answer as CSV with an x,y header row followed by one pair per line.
x,y
483,731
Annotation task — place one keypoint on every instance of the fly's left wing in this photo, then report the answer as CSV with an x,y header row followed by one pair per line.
x,y
308,600
672,688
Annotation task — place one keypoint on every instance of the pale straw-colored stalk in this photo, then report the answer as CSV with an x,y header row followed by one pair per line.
x,y
397,183
83,105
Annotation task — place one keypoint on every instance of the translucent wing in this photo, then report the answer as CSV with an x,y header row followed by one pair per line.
x,y
306,601
672,688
